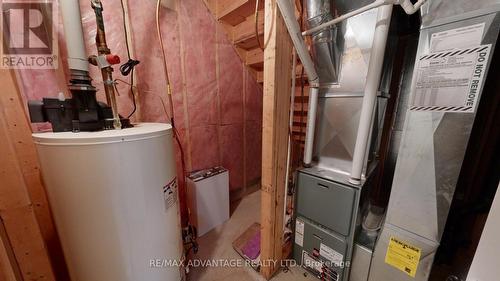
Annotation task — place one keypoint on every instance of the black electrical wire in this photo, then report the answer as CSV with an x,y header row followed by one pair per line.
x,y
128,67
131,91
134,104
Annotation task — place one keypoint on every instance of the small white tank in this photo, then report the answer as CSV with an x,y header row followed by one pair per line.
x,y
113,195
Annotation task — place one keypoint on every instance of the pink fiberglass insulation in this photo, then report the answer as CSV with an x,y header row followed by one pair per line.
x,y
217,103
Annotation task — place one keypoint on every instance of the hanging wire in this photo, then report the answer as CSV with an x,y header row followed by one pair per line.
x,y
256,17
176,132
128,67
164,57
169,90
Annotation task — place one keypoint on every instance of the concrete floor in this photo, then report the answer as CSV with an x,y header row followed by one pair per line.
x,y
217,244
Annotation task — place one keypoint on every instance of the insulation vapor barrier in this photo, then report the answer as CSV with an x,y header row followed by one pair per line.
x,y
217,103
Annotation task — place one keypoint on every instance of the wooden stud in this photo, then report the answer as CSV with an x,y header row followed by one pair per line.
x,y
19,130
9,269
276,105
18,169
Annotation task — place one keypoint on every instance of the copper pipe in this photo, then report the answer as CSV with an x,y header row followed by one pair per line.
x,y
107,72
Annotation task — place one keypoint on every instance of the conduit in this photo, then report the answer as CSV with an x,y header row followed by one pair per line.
x,y
256,23
165,67
170,115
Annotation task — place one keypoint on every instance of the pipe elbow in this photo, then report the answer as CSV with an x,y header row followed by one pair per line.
x,y
410,8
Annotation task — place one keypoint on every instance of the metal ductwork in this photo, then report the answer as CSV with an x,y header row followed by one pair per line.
x,y
325,52
342,35
434,142
342,56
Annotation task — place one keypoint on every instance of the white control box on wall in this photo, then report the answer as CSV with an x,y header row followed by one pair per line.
x,y
208,198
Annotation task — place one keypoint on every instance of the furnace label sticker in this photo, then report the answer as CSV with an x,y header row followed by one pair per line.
x,y
299,239
170,194
450,81
462,37
330,254
299,233
309,261
403,256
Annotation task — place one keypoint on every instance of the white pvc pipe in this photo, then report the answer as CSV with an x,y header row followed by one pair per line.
x,y
73,32
410,8
288,12
311,125
371,89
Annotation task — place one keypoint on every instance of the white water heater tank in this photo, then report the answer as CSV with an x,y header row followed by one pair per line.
x,y
113,195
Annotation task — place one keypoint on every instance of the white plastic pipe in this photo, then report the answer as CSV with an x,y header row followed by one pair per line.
x,y
410,8
311,125
73,31
371,89
288,12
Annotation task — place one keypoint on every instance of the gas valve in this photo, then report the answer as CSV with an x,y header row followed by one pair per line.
x,y
103,61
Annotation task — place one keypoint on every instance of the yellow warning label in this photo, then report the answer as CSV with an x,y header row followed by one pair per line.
x,y
403,256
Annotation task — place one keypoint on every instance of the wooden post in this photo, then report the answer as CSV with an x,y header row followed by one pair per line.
x,y
275,127
21,192
9,269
